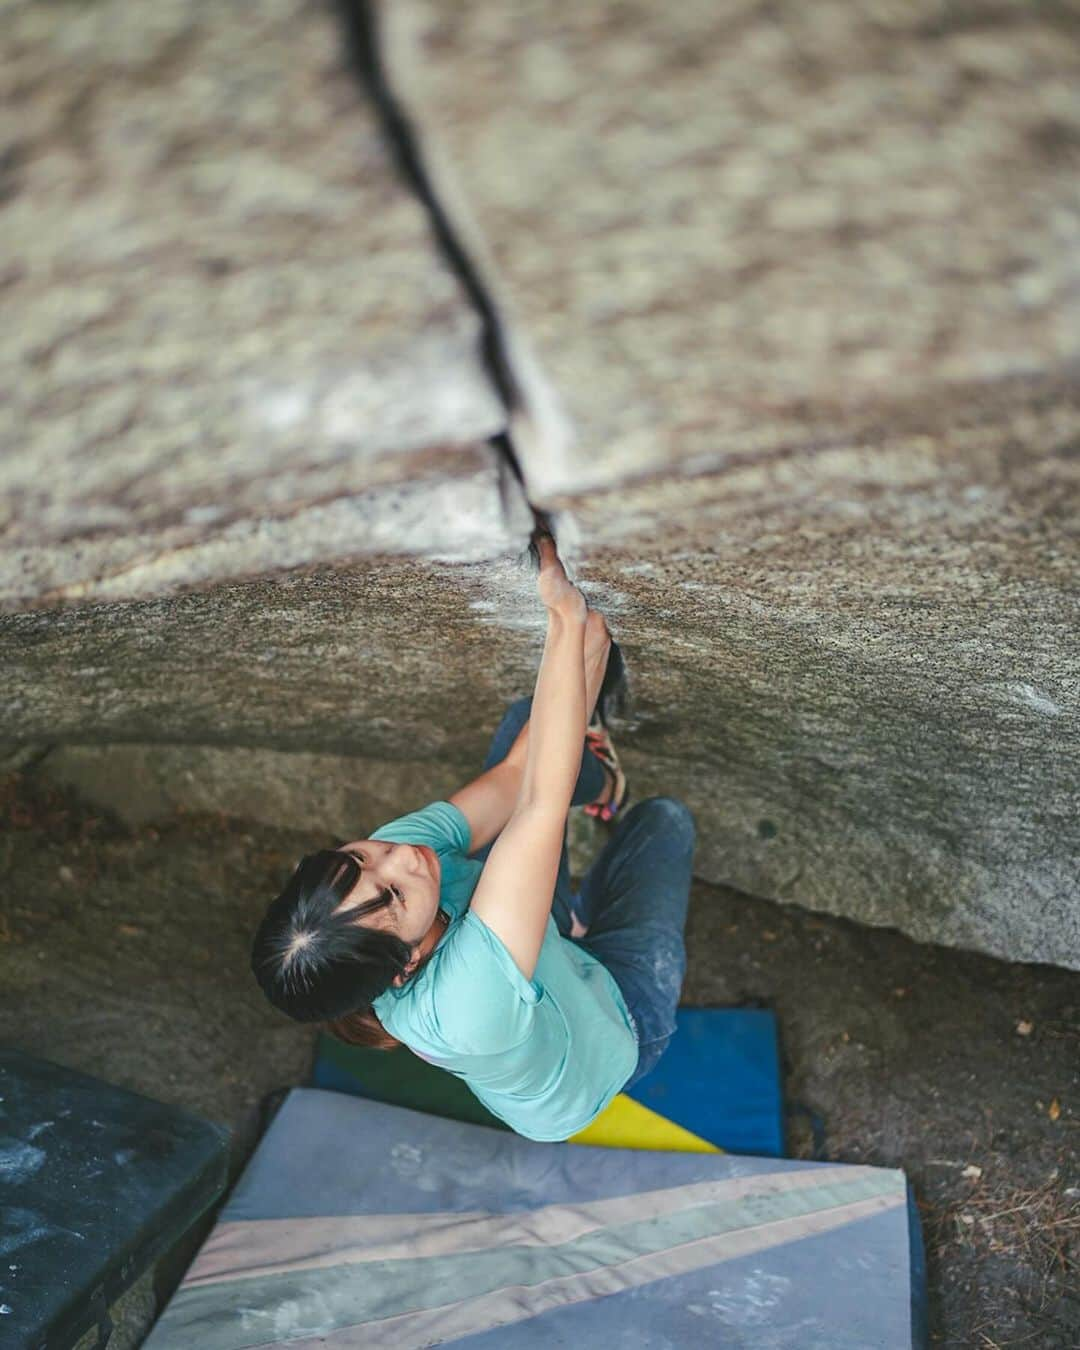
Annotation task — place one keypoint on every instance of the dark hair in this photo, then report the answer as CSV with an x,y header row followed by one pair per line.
x,y
318,966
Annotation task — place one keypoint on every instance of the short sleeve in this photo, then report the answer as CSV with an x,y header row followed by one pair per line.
x,y
440,825
479,935
477,1000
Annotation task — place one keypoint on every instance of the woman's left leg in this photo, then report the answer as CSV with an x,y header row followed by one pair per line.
x,y
591,782
634,900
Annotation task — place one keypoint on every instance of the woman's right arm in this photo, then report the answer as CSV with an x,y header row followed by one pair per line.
x,y
514,893
558,717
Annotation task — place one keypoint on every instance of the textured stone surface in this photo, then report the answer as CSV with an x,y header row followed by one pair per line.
x,y
343,796
389,659
748,228
828,764
806,284
229,343
336,796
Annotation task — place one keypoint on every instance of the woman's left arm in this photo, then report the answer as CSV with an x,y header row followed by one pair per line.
x,y
488,801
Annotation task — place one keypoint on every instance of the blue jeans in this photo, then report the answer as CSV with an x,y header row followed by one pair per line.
x,y
633,898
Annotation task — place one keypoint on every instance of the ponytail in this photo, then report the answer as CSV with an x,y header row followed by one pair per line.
x,y
361,1027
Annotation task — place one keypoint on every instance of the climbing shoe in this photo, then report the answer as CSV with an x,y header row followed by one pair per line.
x,y
598,740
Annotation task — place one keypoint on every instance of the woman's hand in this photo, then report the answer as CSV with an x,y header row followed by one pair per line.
x,y
556,590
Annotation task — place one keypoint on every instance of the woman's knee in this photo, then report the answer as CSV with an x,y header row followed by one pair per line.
x,y
675,814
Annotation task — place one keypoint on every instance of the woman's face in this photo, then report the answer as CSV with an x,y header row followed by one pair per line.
x,y
411,871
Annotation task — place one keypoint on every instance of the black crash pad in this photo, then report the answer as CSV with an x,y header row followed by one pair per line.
x,y
96,1182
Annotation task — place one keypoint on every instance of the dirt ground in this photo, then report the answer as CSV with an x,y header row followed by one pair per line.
x,y
124,953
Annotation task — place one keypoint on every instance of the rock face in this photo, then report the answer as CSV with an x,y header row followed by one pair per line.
x,y
788,302
763,230
230,345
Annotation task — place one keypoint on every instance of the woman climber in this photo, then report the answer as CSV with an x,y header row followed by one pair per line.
x,y
454,930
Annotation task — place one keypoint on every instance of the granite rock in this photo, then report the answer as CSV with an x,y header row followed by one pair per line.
x,y
230,344
760,229
789,296
804,281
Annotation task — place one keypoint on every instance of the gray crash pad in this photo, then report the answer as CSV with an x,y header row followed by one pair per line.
x,y
357,1224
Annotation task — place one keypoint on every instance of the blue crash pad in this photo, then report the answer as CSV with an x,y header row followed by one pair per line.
x,y
719,1078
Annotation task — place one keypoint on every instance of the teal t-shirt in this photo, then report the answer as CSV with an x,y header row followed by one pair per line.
x,y
545,1055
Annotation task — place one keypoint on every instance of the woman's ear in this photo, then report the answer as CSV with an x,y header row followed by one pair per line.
x,y
399,980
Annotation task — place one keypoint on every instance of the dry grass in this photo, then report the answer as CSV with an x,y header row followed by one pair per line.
x,y
1035,1228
